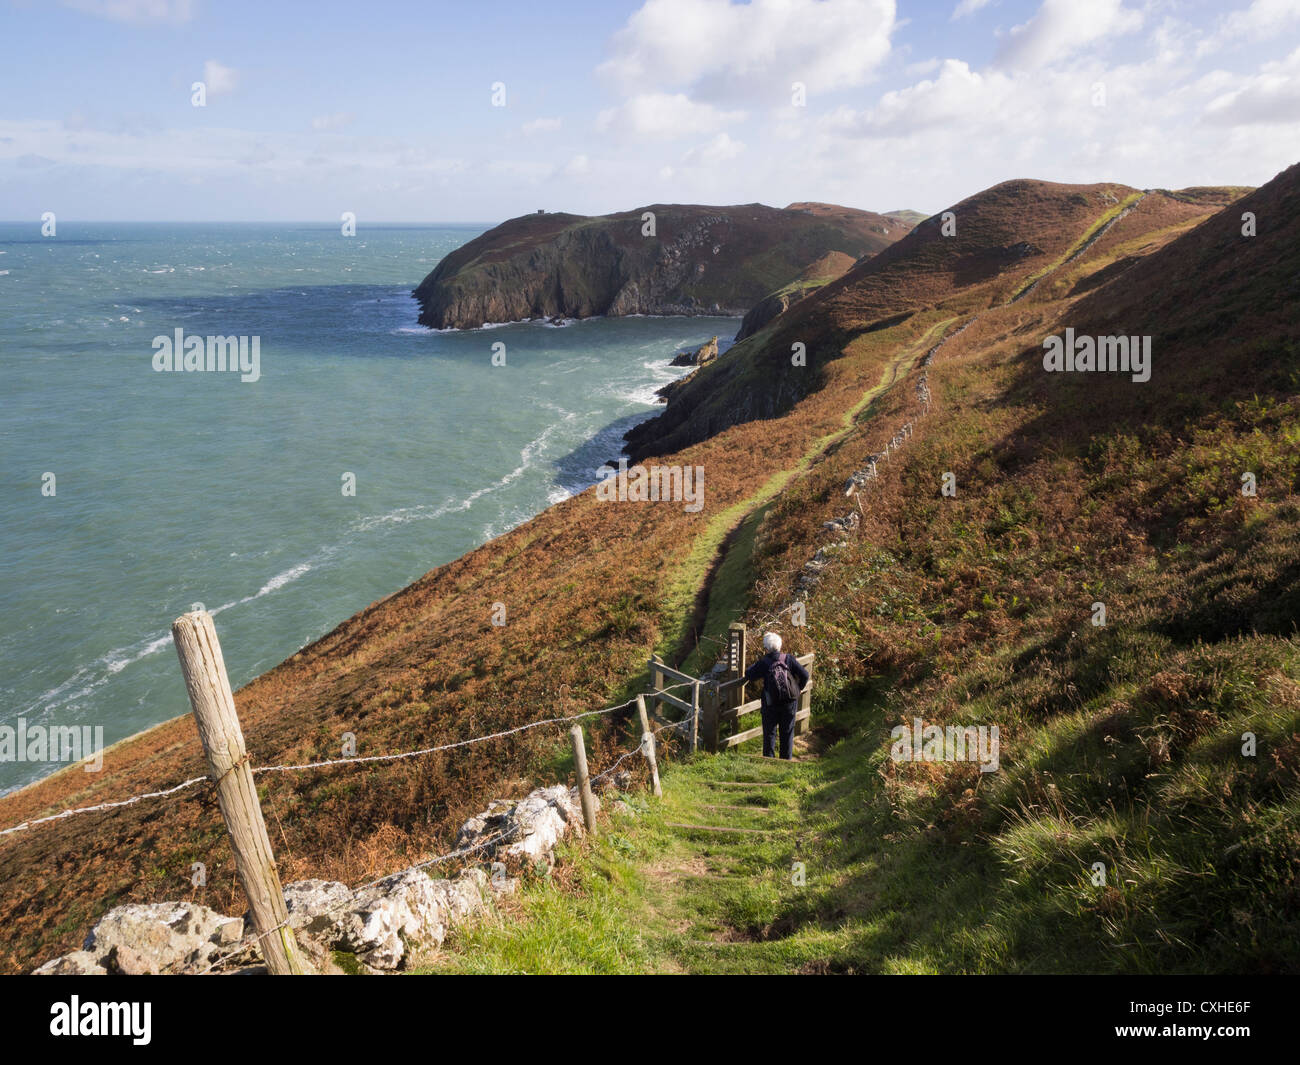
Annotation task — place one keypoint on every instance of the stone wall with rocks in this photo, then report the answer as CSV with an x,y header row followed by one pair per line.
x,y
393,924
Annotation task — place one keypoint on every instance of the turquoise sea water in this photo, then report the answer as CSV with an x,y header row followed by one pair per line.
x,y
182,488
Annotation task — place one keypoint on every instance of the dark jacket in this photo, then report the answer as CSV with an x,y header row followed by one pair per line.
x,y
759,670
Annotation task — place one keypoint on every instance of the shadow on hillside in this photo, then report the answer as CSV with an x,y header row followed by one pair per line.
x,y
578,470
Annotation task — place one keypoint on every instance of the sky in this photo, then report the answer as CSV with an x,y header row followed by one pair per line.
x,y
477,112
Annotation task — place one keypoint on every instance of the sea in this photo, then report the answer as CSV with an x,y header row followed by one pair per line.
x,y
357,451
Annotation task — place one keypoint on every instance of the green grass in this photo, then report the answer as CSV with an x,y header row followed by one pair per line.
x,y
908,872
1125,748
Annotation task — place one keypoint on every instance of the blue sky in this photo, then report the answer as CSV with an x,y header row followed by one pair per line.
x,y
385,109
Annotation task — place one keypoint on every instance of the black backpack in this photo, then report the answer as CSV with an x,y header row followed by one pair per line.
x,y
780,681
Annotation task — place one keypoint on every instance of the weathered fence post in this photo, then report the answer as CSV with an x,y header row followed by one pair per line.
x,y
736,662
695,717
648,744
805,703
710,723
736,648
656,679
584,782
223,743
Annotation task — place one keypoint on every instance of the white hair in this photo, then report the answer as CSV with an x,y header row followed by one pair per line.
x,y
771,642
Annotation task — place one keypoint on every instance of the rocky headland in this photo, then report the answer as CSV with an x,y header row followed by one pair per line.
x,y
677,259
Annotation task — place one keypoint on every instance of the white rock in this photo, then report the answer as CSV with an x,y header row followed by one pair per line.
x,y
397,919
77,963
529,829
162,937
316,911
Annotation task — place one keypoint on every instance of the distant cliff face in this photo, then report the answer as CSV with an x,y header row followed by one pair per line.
x,y
698,260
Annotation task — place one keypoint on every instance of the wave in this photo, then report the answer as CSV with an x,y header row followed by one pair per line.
x,y
116,665
543,323
86,680
527,459
280,580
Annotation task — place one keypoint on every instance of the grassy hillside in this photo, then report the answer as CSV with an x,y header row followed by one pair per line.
x,y
1118,743
1006,239
1122,744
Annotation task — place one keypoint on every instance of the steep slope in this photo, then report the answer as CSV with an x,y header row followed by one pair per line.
x,y
1005,238
1144,816
699,260
977,597
826,269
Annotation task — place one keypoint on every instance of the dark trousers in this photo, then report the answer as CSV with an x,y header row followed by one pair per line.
x,y
779,718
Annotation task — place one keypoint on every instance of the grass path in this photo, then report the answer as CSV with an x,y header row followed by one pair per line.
x,y
695,882
691,573
728,837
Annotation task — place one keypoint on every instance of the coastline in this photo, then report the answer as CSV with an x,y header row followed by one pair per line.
x,y
20,790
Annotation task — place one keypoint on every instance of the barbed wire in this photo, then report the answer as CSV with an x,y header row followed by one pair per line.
x,y
193,781
104,806
247,942
638,749
442,747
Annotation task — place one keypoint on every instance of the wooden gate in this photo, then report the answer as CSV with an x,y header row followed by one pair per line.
x,y
713,708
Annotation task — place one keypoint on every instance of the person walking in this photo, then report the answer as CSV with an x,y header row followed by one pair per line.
x,y
783,679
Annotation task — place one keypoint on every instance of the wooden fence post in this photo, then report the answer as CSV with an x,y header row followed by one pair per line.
x,y
710,714
736,662
584,782
223,743
648,744
695,717
656,680
805,703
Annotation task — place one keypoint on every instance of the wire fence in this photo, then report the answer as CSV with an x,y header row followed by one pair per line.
x,y
247,942
329,763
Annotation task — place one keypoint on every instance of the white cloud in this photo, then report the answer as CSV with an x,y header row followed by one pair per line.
x,y
578,166
725,51
1063,27
664,115
542,125
1270,97
215,151
176,11
1165,124
955,98
1261,20
967,7
324,123
218,78
713,153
